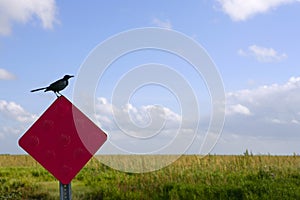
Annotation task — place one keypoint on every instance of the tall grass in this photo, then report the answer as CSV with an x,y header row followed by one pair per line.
x,y
190,177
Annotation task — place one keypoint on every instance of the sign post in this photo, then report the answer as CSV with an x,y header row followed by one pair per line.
x,y
63,140
65,192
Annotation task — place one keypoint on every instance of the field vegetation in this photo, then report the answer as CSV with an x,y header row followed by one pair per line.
x,y
190,177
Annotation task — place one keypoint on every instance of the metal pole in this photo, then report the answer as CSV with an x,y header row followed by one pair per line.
x,y
65,192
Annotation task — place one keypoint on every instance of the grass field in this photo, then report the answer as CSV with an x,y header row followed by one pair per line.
x,y
190,177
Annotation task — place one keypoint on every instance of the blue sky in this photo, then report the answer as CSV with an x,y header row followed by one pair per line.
x,y
254,45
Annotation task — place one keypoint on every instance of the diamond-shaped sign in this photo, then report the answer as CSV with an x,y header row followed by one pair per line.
x,y
63,140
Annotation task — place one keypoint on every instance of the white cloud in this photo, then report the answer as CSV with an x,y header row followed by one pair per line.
x,y
241,10
162,23
24,11
13,111
262,54
6,75
241,52
263,93
237,109
14,120
133,117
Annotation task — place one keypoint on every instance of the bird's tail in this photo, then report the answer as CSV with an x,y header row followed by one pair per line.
x,y
38,89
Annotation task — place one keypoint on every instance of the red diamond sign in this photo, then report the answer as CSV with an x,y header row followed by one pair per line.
x,y
63,140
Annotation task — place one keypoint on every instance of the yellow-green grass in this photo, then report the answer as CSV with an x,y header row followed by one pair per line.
x,y
190,177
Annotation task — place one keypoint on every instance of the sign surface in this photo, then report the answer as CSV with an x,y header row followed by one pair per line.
x,y
63,140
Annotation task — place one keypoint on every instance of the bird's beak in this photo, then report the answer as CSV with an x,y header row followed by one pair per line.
x,y
71,76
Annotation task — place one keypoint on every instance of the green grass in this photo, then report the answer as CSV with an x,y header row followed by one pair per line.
x,y
190,177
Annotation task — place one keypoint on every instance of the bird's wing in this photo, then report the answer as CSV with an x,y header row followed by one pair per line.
x,y
58,85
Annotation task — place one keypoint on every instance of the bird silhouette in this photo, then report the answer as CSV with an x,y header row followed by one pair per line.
x,y
56,86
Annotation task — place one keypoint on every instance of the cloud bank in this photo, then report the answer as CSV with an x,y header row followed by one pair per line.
x,y
264,120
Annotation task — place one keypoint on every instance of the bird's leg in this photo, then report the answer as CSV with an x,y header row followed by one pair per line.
x,y
56,94
59,93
